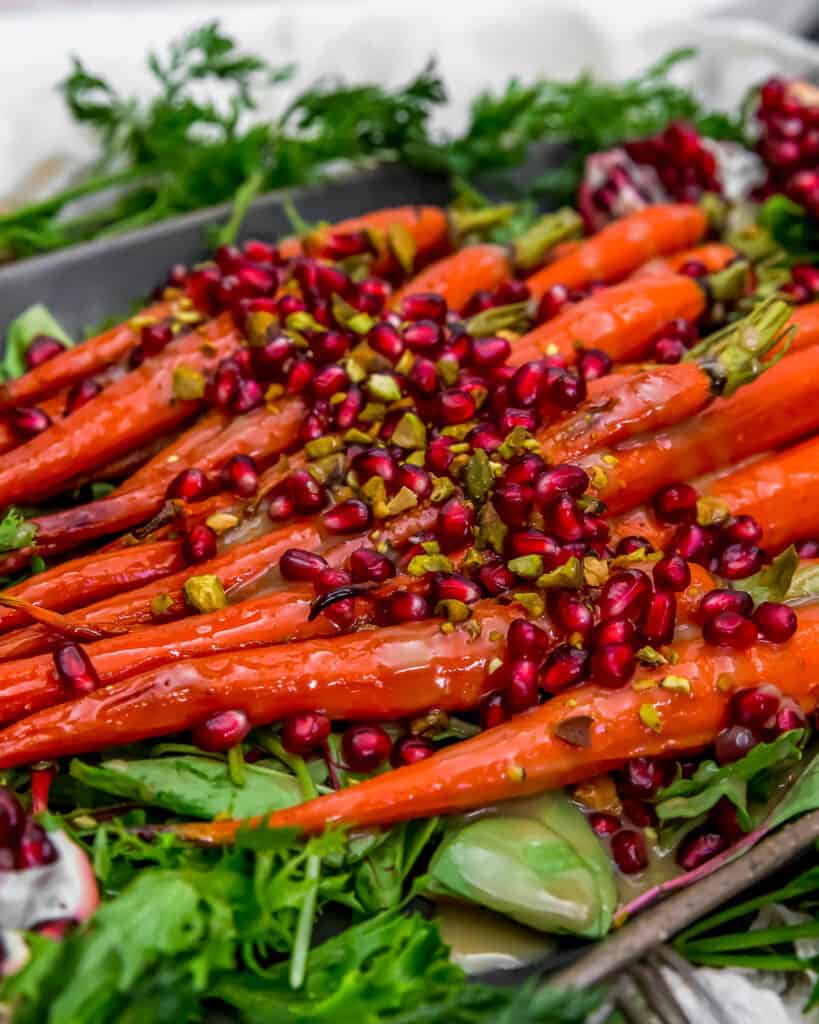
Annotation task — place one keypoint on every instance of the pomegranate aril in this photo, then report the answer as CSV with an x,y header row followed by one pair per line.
x,y
495,578
668,351
484,436
75,670
676,503
42,348
628,848
788,718
733,743
261,252
375,462
454,524
406,607
554,483
519,681
661,617
348,516
301,566
524,469
154,338
241,476
563,390
368,566
808,548
565,519
775,621
564,667
307,493
728,629
741,530
628,545
693,268
329,380
524,386
672,573
740,560
302,733
249,395
603,823
625,595
12,818
365,747
80,393
755,707
693,543
723,600
423,336
454,587
456,406
416,479
513,503
342,244
28,421
525,640
638,812
492,710
410,750
34,848
424,306
189,485
423,378
281,505
699,847
612,665
552,303
594,363
385,339
642,777
615,631
490,352
199,544
524,418
221,731
573,615
724,819
300,374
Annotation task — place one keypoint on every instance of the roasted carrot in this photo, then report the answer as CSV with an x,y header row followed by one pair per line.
x,y
459,276
623,246
139,406
806,321
621,320
81,361
386,674
527,754
778,407
713,256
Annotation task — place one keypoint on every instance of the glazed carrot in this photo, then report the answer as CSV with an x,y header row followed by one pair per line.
x,y
713,256
427,225
623,246
806,321
459,276
373,674
238,568
527,755
94,577
621,320
139,406
778,407
81,361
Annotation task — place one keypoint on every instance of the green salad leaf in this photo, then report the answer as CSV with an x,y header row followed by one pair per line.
x,y
791,227
22,331
773,582
15,531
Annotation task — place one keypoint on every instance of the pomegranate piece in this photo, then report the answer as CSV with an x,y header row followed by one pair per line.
x,y
613,186
42,348
776,622
221,731
365,747
303,566
75,670
628,848
302,733
200,544
699,847
410,750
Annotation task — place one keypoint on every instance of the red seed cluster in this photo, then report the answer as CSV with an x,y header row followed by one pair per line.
x,y
788,118
23,843
682,160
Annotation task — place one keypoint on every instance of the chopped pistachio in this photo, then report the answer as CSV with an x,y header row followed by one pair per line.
x,y
643,684
321,446
375,490
420,565
598,477
416,458
337,398
493,666
495,635
610,460
650,717
528,566
458,431
640,555
430,547
257,325
454,611
205,593
384,387
410,432
460,448
473,559
272,395
515,443
516,773
478,477
649,656
188,383
404,499
570,574
532,603
725,683
447,627
677,684
447,370
595,571
355,436
575,730
161,604
373,412
221,522
303,321
402,245
405,363
712,511
442,488
330,469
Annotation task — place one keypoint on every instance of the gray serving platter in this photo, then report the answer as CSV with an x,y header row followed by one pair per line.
x,y
88,283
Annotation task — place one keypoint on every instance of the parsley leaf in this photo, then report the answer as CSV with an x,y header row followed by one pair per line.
x,y
15,532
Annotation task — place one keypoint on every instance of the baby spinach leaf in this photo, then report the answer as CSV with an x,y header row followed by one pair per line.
x,y
772,582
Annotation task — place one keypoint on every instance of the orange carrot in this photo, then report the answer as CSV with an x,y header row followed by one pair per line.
x,y
459,276
623,246
713,256
575,736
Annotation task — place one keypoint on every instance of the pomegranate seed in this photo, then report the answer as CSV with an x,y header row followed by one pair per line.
x,y
728,629
741,530
490,352
348,516
628,545
256,281
565,519
525,640
200,544
725,819
639,813
693,268
424,306
28,421
303,732
454,524
12,818
375,462
189,485
604,824
249,395
222,390
573,615
612,665
629,851
328,380
42,348
456,407
340,245
416,479
367,566
454,587
676,503
524,386
564,390
480,300
228,258
495,578
658,628
513,502
625,595
307,493
564,667
422,377
80,393
554,483
594,363
808,548
407,607
672,573
301,566
524,469
776,622
734,743
552,302
346,412
154,338
740,560
615,631
365,747
492,710
807,276
439,455
722,600
534,542
772,94
642,777
330,579
595,529
281,505
410,750
668,351
385,339
423,336
519,680
484,436
269,358
202,285
755,707
261,252
34,849
241,476
788,718
699,847
329,347
221,731
75,670
693,543
299,376
524,418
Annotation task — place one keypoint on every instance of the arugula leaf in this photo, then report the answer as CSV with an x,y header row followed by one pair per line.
x,y
693,798
772,582
801,797
22,331
792,227
15,532
379,879
189,785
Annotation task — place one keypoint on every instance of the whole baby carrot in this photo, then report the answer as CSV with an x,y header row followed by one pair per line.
x,y
587,731
386,674
712,256
459,276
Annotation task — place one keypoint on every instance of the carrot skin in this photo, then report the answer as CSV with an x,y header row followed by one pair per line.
x,y
383,674
714,256
806,321
459,276
621,320
623,246
526,755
